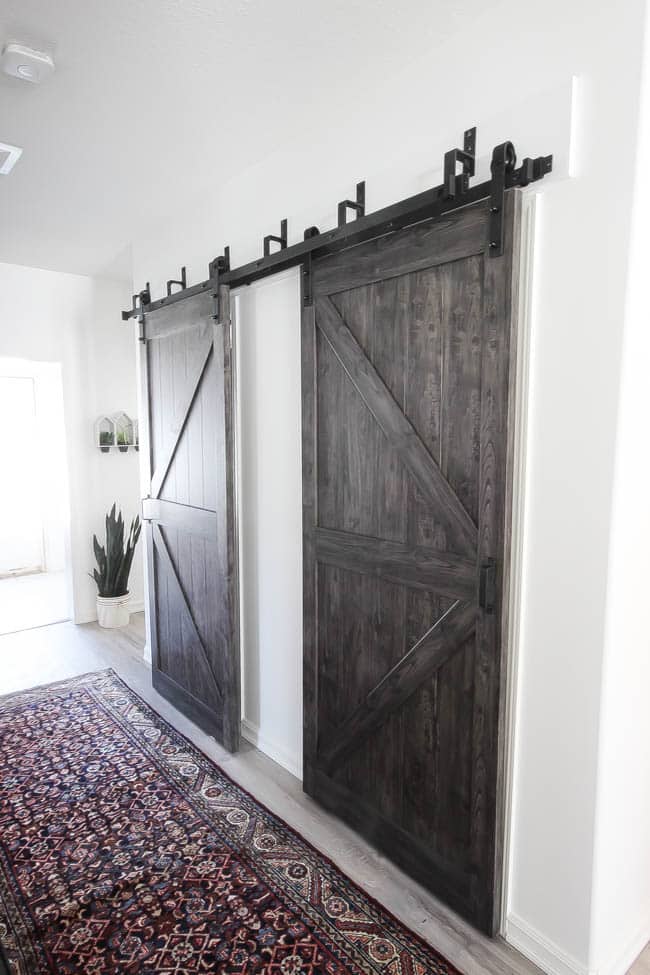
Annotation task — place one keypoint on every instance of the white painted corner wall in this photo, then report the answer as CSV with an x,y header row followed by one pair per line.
x,y
621,901
73,320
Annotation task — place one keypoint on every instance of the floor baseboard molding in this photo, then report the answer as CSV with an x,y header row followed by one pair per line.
x,y
625,959
554,961
540,950
80,619
252,734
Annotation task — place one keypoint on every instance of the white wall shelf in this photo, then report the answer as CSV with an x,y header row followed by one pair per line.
x,y
118,430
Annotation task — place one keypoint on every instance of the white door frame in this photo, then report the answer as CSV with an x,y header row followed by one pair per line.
x,y
512,618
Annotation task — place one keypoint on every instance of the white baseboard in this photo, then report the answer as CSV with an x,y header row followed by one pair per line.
x,y
136,605
622,963
554,961
146,652
252,734
80,618
540,950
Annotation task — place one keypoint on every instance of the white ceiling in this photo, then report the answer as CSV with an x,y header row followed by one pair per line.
x,y
155,98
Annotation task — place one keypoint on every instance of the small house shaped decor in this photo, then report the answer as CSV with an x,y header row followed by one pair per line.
x,y
124,434
105,433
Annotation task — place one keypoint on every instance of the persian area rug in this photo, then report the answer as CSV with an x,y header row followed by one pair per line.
x,y
123,849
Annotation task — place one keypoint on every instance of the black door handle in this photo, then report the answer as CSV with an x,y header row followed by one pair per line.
x,y
487,586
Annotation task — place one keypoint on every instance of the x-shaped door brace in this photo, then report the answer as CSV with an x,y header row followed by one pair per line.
x,y
446,573
164,463
399,431
431,651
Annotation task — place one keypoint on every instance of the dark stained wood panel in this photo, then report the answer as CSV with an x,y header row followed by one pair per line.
x,y
399,434
452,237
419,568
407,369
190,516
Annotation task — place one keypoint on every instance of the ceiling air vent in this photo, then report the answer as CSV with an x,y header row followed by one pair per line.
x,y
9,156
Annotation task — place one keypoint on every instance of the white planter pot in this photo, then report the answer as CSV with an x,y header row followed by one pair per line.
x,y
113,611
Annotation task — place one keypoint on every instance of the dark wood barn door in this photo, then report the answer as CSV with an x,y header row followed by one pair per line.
x,y
187,386
408,360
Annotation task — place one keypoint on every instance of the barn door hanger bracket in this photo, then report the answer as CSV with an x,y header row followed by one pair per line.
x,y
220,265
358,205
306,270
182,283
281,240
307,282
138,302
505,176
457,184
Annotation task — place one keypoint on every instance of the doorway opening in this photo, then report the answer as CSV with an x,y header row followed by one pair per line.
x,y
35,585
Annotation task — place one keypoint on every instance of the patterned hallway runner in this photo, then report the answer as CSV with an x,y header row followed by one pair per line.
x,y
124,849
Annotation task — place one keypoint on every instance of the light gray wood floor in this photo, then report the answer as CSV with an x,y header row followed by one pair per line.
x,y
52,653
642,965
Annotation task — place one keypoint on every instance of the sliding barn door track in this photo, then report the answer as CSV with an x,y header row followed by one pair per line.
x,y
455,191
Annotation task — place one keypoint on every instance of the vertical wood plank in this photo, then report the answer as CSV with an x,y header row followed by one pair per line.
x,y
309,368
227,526
497,380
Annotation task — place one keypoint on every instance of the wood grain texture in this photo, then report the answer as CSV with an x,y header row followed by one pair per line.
x,y
166,457
452,237
309,520
195,521
497,423
226,577
417,665
418,568
191,529
399,433
406,380
186,609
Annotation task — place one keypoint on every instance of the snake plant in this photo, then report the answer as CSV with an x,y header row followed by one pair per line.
x,y
114,558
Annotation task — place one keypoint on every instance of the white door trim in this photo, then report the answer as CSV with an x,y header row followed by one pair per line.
x,y
512,633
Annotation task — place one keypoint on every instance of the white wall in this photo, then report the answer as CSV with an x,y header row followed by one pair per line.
x,y
507,68
75,321
267,322
621,908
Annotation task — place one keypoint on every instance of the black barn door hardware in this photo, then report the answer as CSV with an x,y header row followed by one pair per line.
x,y
281,240
307,298
358,205
504,176
216,269
487,586
220,264
458,183
182,284
455,191
307,293
137,308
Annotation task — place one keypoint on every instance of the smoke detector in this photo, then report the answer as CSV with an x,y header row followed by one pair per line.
x,y
9,156
26,64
